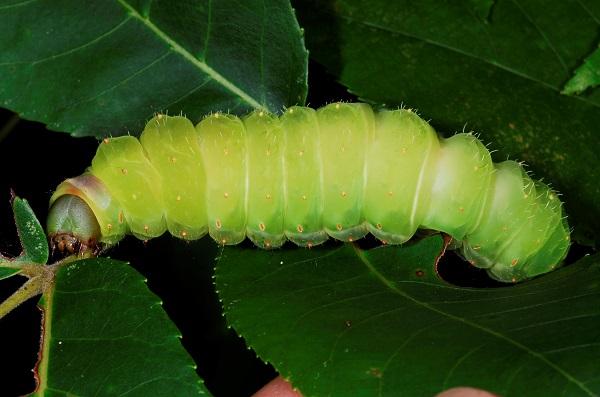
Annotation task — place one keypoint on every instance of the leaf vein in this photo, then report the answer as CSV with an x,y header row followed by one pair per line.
x,y
543,36
203,66
120,83
467,54
474,325
588,11
71,50
18,4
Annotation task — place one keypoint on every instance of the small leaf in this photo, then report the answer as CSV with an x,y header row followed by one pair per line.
x,y
6,272
31,233
380,323
106,334
586,76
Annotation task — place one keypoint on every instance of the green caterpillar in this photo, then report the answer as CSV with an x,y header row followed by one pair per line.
x,y
341,171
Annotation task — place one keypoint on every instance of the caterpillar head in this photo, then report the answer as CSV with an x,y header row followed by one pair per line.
x,y
72,227
81,217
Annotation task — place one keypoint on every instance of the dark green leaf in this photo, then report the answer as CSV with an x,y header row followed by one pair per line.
x,y
100,68
380,323
501,77
105,334
31,233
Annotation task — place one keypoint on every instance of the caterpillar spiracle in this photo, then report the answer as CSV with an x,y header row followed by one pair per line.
x,y
340,171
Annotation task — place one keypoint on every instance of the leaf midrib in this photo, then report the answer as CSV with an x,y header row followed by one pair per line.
x,y
390,285
203,66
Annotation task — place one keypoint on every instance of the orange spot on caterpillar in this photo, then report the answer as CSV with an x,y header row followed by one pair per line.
x,y
226,195
183,233
218,223
124,171
419,273
106,140
344,194
514,262
378,226
262,227
339,226
461,209
299,228
121,216
109,226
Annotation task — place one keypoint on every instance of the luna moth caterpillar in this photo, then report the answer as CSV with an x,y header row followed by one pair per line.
x,y
340,171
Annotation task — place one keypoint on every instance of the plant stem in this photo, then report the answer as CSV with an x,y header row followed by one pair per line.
x,y
32,287
41,279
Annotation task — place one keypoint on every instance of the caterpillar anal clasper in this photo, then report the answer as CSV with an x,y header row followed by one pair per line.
x,y
340,171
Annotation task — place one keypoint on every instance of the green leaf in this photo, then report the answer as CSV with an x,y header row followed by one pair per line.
x,y
31,233
104,68
586,76
6,272
380,323
501,78
105,334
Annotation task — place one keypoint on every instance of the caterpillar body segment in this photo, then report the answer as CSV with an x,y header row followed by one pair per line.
x,y
340,171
